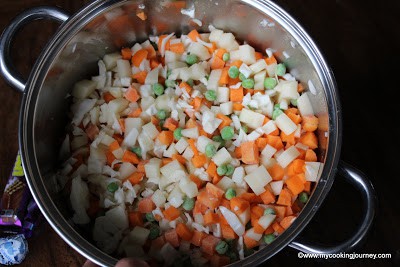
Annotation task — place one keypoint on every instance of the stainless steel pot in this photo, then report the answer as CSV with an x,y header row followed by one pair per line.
x,y
105,26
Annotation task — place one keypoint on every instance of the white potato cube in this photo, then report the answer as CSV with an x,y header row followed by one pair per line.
x,y
215,35
304,105
133,123
124,68
276,187
287,90
152,168
152,76
188,187
222,157
285,124
258,179
251,118
203,141
268,151
222,94
169,169
288,156
259,79
110,60
191,133
225,183
312,171
139,235
131,138
237,177
199,50
266,220
227,108
168,153
228,41
150,130
158,198
213,80
83,89
181,145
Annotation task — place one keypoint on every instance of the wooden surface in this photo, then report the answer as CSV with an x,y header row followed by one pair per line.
x,y
359,40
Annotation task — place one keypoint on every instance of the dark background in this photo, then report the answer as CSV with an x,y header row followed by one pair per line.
x,y
360,42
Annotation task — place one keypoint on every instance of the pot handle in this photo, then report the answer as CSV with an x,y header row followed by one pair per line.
x,y
365,188
7,69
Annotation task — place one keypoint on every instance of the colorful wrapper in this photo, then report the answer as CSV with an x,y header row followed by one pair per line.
x,y
19,216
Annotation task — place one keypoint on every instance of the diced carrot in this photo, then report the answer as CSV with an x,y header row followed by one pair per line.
x,y
172,237
294,111
92,131
139,56
237,63
126,53
300,88
224,79
146,205
275,141
212,169
307,187
219,260
258,229
171,213
132,94
238,152
184,232
270,60
288,211
122,124
171,124
154,63
220,52
130,157
141,15
225,203
233,81
285,197
250,153
212,48
196,180
155,121
186,87
277,228
251,197
276,172
310,155
296,183
267,197
199,208
216,179
191,123
211,218
135,178
152,54
239,205
261,143
107,96
257,211
309,139
226,121
110,158
114,146
295,118
193,147
160,41
177,48
197,238
310,123
287,221
193,35
135,218
217,63
140,76
258,55
208,200
227,232
179,158
135,113
166,137
209,243
159,242
199,160
214,190
289,139
140,166
236,95
269,230
165,161
197,103
280,212
119,138
250,242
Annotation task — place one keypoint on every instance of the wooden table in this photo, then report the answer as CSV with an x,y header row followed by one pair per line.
x,y
358,42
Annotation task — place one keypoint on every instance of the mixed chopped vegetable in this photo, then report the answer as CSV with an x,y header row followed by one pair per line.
x,y
192,150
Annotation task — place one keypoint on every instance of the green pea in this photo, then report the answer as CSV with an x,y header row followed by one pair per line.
x,y
154,232
210,95
222,247
233,72
232,256
158,89
191,59
248,83
269,211
188,204
268,239
229,170
293,102
150,217
230,193
190,82
210,150
242,77
227,133
170,83
137,150
303,197
221,170
112,187
226,57
276,113
270,83
245,128
178,133
161,114
161,124
219,139
280,69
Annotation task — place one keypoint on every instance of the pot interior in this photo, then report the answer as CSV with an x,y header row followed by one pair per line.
x,y
106,26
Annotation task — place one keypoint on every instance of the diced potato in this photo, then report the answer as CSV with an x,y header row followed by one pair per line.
x,y
268,151
203,141
131,138
171,57
170,151
287,90
215,35
170,168
110,60
266,220
312,171
285,124
258,179
118,217
152,76
251,118
258,66
199,50
188,187
158,198
237,177
191,133
250,168
288,156
227,108
139,235
181,145
118,105
304,105
124,68
222,157
133,123
259,80
150,130
222,94
269,127
225,183
213,80
276,187
197,71
175,198
228,41
83,89
271,69
152,168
